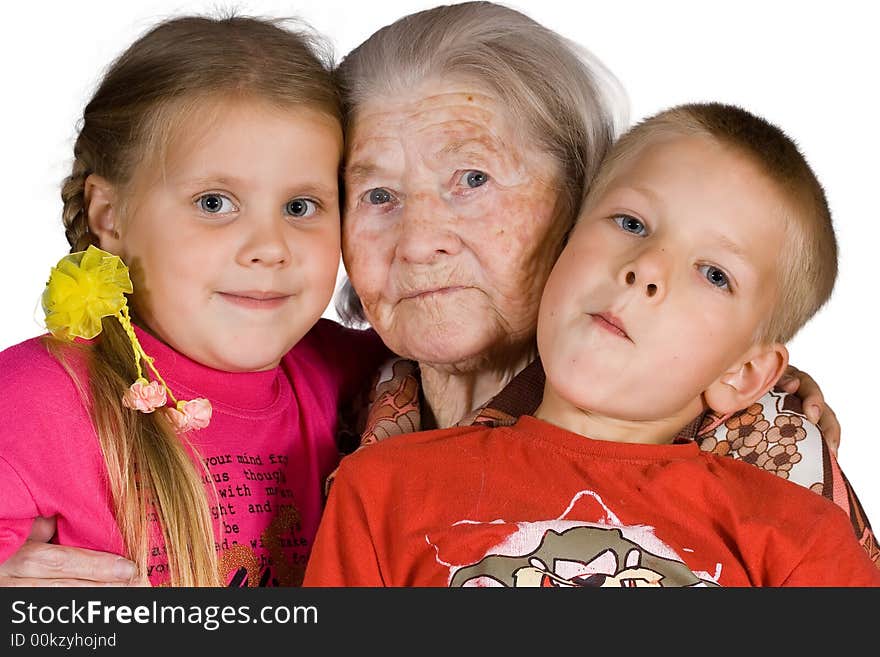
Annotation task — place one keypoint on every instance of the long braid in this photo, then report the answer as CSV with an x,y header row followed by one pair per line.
x,y
76,225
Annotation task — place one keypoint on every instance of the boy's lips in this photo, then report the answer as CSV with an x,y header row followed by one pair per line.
x,y
610,323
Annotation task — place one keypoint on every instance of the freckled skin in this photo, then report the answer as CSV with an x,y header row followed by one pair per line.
x,y
449,275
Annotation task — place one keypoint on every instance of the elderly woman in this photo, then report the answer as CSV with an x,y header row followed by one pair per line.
x,y
472,132
472,135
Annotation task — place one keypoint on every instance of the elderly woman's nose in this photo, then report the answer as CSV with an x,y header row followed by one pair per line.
x,y
648,272
426,231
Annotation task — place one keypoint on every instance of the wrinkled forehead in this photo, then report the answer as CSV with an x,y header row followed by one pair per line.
x,y
435,121
434,112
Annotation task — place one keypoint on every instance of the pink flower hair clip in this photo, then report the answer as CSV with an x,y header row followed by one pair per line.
x,y
85,287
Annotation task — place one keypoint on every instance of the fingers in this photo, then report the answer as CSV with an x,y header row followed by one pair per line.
x,y
43,530
39,582
47,562
812,399
830,428
789,381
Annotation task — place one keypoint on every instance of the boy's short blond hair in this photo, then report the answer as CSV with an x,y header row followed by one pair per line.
x,y
808,262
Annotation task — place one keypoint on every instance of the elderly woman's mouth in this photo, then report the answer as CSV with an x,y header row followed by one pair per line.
x,y
433,292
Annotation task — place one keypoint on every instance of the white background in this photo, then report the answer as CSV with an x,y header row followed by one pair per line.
x,y
810,67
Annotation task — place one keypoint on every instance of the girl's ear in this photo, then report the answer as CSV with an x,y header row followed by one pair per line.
x,y
748,379
100,206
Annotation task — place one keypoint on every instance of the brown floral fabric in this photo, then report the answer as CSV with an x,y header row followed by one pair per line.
x,y
772,434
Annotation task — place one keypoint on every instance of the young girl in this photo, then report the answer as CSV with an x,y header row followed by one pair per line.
x,y
207,161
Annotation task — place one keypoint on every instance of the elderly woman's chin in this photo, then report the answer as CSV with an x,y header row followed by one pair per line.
x,y
460,334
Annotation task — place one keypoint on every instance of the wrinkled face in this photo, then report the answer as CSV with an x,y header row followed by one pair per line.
x,y
664,281
234,251
450,226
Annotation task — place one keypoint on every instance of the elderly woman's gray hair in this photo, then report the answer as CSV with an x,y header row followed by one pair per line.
x,y
565,99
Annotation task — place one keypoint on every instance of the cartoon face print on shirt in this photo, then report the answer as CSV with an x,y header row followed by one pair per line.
x,y
580,557
569,551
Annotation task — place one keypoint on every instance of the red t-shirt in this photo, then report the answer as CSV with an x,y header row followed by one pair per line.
x,y
535,505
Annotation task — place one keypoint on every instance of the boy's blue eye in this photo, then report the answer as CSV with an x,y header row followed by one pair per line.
x,y
715,276
215,204
300,207
630,224
474,178
378,196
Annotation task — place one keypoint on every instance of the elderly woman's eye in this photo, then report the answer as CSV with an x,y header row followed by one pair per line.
x,y
301,207
630,224
473,178
215,204
715,276
378,196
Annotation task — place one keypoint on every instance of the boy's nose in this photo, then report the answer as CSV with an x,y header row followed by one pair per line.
x,y
650,288
648,273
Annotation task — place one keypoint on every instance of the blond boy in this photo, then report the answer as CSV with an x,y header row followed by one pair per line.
x,y
703,221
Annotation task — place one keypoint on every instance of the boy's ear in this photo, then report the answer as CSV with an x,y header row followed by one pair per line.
x,y
100,206
748,379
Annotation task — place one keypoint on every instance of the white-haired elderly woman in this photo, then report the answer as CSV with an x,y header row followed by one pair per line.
x,y
472,133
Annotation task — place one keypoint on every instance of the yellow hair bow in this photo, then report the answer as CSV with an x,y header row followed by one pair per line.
x,y
85,287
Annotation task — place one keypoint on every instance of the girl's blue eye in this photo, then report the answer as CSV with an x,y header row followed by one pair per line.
x,y
715,276
630,224
378,196
474,178
215,204
300,207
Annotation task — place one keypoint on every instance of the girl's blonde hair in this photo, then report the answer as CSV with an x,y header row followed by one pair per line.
x,y
162,79
560,94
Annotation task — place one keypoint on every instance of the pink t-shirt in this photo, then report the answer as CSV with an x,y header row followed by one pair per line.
x,y
268,448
